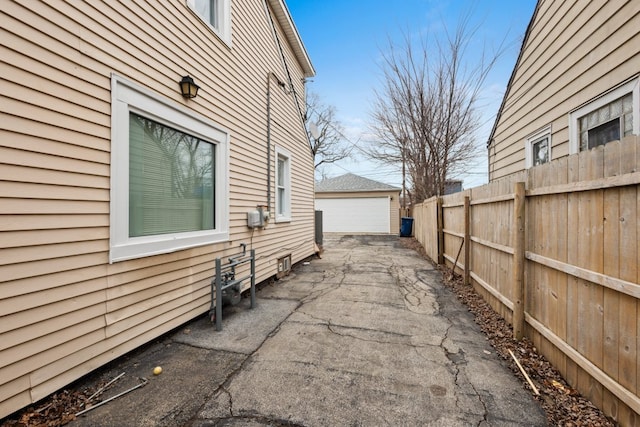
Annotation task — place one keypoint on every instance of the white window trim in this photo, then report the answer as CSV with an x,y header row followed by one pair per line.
x,y
532,139
286,217
224,32
632,85
126,97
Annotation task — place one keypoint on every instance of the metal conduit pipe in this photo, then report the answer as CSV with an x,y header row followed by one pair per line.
x,y
270,75
291,89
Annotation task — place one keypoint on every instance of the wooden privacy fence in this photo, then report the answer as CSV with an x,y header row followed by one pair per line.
x,y
554,250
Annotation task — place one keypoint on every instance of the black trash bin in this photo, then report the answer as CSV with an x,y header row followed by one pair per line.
x,y
406,226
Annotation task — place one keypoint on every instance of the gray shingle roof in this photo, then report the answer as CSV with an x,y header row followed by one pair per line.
x,y
351,183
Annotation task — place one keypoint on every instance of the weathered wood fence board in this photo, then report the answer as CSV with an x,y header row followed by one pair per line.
x,y
426,227
580,263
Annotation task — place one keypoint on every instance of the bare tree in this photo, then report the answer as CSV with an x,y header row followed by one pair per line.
x,y
325,131
425,116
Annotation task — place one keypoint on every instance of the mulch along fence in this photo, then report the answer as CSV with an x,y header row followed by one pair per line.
x,y
555,251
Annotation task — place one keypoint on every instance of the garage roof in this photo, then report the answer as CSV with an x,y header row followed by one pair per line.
x,y
351,183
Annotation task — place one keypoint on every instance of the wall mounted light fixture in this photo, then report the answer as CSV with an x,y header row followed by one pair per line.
x,y
188,87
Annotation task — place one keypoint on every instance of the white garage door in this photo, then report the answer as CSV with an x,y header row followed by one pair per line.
x,y
365,215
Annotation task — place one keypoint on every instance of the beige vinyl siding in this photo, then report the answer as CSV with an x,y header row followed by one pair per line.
x,y
65,310
575,51
394,203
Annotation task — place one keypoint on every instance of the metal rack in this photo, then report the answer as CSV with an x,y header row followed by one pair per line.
x,y
225,287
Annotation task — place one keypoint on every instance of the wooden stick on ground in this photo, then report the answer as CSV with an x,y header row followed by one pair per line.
x,y
533,387
103,388
142,384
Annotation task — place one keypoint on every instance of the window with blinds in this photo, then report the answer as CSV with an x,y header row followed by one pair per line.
x,y
171,180
169,176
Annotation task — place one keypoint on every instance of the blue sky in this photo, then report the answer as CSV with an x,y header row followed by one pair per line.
x,y
346,40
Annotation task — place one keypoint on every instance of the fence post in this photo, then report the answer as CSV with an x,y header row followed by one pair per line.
x,y
518,259
440,220
467,240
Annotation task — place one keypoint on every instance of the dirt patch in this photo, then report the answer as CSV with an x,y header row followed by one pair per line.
x,y
563,405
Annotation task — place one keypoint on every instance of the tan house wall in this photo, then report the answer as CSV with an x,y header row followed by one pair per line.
x,y
575,51
64,309
394,204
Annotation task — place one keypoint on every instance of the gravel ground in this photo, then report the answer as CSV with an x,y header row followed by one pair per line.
x,y
563,405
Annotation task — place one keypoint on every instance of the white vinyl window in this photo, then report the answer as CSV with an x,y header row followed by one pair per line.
x,y
607,118
169,188
283,185
538,148
171,179
216,14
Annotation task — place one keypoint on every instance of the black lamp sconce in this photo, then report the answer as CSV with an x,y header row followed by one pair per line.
x,y
188,87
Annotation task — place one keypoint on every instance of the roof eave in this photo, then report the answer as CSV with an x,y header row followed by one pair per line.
x,y
293,37
513,72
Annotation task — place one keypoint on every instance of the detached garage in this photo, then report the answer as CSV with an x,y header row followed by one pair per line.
x,y
353,204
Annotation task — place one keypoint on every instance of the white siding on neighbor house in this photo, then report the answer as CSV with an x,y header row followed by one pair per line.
x,y
354,215
575,52
65,310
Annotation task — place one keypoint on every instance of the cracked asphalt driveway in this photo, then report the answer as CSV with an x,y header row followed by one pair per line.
x,y
365,336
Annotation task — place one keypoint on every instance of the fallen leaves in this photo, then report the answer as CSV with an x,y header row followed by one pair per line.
x,y
563,405
58,409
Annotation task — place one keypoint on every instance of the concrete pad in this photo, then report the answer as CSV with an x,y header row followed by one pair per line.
x,y
368,277
407,258
314,375
243,329
307,397
293,288
379,316
357,292
366,336
190,377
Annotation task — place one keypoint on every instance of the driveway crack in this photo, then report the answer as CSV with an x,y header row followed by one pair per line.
x,y
333,329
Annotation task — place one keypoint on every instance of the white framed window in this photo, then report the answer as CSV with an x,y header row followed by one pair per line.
x,y
538,148
216,14
169,176
609,117
283,185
